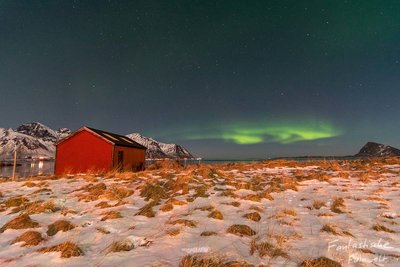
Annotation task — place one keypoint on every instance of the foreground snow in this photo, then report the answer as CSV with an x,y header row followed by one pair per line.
x,y
189,211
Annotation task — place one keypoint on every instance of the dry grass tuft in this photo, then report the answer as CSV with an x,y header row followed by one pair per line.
x,y
67,249
188,223
167,207
233,203
253,197
290,212
266,249
320,262
154,192
21,222
125,245
41,190
337,204
102,230
216,214
173,232
61,225
29,238
118,246
66,211
40,207
317,204
329,229
254,216
164,164
147,210
382,228
175,201
256,208
205,208
117,193
113,214
15,201
240,230
29,184
201,261
204,260
208,233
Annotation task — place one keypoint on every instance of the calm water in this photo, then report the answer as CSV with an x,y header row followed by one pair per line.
x,y
29,168
38,167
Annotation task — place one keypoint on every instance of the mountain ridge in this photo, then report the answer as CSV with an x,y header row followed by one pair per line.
x,y
372,149
36,140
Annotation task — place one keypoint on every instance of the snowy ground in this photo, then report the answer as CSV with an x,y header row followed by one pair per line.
x,y
346,211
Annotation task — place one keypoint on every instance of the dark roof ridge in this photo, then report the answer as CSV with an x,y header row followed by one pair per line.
x,y
117,139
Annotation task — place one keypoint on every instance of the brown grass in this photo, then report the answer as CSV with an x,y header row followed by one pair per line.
x,y
205,260
254,216
102,230
266,249
67,249
290,212
208,233
188,223
15,201
21,222
216,214
205,208
61,225
66,211
233,203
317,204
175,201
201,261
110,215
40,207
329,229
118,246
41,190
240,230
167,207
320,262
29,184
117,193
29,238
147,210
154,192
337,205
173,232
382,228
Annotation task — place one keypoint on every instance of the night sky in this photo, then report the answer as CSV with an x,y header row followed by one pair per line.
x,y
226,79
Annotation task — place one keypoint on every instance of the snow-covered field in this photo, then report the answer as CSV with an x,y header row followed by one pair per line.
x,y
277,213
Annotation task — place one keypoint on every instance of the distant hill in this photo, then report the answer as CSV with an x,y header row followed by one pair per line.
x,y
157,149
372,149
36,140
32,139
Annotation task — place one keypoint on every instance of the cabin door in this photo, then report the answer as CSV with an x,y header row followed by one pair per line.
x,y
120,160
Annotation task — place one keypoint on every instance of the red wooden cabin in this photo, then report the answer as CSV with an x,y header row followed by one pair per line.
x,y
88,150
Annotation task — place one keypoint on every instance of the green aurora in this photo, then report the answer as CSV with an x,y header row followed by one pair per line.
x,y
270,132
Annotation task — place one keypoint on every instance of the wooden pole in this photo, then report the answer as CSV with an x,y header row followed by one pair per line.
x,y
15,162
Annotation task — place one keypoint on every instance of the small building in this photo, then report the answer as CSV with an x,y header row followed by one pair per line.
x,y
89,150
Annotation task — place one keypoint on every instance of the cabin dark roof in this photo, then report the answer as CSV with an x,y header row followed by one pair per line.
x,y
117,139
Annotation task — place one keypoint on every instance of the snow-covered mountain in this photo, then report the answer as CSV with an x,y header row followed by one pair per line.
x,y
37,140
42,132
157,149
372,149
28,146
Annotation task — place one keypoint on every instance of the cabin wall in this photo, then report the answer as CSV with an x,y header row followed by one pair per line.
x,y
83,153
134,158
